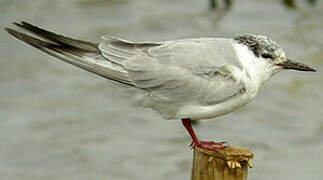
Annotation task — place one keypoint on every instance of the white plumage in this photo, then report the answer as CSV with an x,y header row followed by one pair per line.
x,y
187,79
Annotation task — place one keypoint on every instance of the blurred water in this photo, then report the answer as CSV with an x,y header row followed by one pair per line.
x,y
59,122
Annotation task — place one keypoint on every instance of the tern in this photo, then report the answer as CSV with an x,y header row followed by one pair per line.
x,y
187,79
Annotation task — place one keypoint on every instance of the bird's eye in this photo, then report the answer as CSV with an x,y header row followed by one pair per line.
x,y
265,55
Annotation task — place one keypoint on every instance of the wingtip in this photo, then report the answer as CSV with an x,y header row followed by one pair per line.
x,y
16,24
14,33
25,22
7,29
10,31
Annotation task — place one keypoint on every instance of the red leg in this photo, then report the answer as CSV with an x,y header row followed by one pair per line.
x,y
209,145
188,125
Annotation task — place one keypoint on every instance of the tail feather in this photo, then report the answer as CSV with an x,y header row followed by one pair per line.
x,y
75,52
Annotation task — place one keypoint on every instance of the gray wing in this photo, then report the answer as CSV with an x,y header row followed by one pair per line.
x,y
182,71
192,70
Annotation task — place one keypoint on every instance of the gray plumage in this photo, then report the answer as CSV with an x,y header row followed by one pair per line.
x,y
175,73
189,78
172,73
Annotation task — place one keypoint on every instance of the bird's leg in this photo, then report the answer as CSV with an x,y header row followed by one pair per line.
x,y
188,125
209,145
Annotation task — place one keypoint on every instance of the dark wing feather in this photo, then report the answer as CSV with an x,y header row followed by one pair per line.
x,y
59,39
79,53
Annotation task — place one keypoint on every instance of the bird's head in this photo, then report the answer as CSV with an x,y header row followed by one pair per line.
x,y
269,53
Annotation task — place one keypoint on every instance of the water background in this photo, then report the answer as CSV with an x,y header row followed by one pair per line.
x,y
59,122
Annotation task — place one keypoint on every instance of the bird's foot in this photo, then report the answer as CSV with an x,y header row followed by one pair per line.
x,y
210,145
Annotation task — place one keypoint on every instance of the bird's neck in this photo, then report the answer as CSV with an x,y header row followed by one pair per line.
x,y
253,67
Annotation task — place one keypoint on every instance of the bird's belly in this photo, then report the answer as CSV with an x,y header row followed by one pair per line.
x,y
198,112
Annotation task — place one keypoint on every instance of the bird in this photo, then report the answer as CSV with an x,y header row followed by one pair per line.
x,y
185,79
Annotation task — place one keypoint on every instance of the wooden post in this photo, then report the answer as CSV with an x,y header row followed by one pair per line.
x,y
230,163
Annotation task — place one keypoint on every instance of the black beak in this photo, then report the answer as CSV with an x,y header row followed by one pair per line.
x,y
289,64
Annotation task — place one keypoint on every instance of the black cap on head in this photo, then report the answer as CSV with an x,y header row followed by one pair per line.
x,y
259,45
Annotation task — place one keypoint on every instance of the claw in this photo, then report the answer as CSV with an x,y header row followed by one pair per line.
x,y
193,145
211,146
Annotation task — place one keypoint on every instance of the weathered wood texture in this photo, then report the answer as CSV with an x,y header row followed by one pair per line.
x,y
230,163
